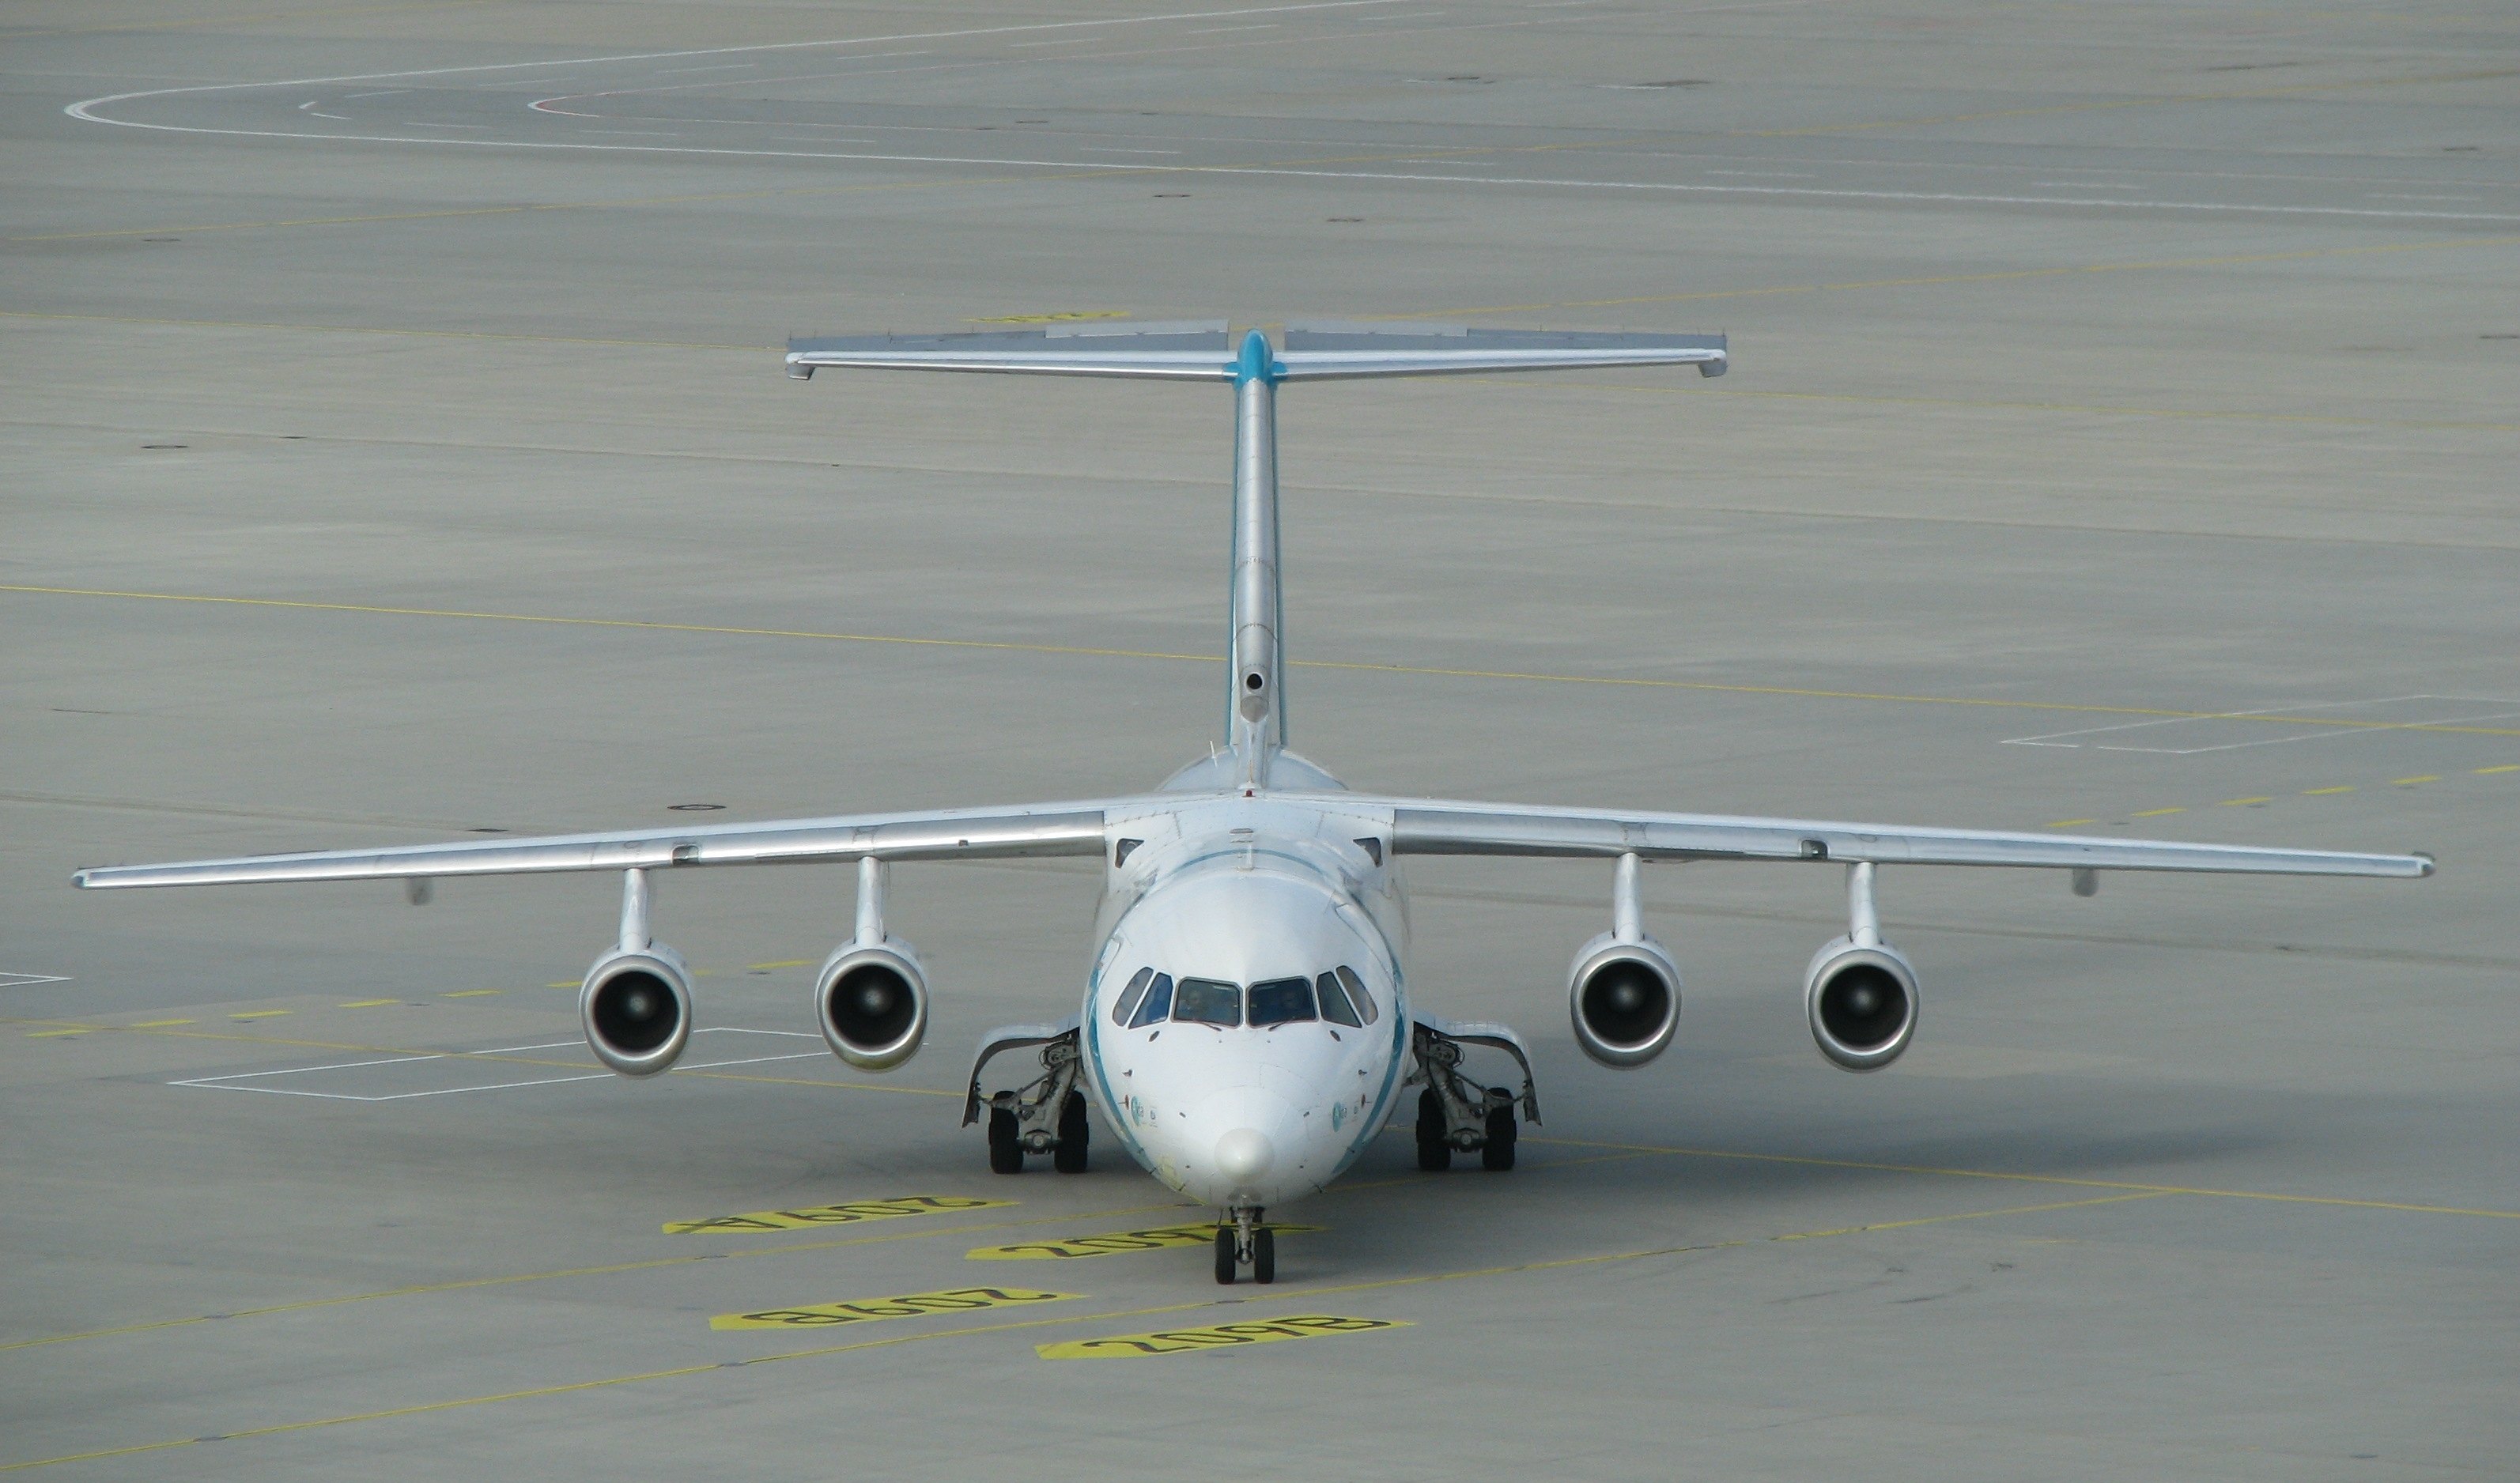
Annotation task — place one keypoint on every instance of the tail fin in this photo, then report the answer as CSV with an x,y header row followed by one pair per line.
x,y
1256,718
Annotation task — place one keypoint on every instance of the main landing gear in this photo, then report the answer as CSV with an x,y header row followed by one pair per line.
x,y
1046,1115
1246,1243
1456,1114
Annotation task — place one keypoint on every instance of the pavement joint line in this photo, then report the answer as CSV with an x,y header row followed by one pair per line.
x,y
2039,1179
261,20
1438,671
599,1270
1290,1295
1959,278
75,1028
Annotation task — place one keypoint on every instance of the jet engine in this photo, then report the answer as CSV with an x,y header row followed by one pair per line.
x,y
1861,1001
636,1008
1624,997
871,999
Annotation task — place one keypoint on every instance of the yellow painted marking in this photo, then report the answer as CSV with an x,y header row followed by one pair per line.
x,y
2312,792
867,1310
2402,782
926,1335
50,1034
1396,669
2243,802
1966,277
157,1024
254,1014
2513,767
366,1003
849,1214
471,993
2155,813
2070,823
1130,1346
1112,1244
543,1277
574,983
2034,1179
764,967
1048,319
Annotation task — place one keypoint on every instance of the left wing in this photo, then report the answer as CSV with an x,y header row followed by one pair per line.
x,y
963,834
1440,827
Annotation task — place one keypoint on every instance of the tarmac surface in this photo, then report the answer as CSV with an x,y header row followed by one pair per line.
x,y
2120,431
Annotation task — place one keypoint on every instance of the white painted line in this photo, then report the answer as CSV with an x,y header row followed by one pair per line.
x,y
1092,149
22,980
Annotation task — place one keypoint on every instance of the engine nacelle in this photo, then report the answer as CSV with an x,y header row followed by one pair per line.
x,y
1861,1003
1624,998
871,999
637,1010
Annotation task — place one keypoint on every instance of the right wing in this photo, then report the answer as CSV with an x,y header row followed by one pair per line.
x,y
959,834
1442,827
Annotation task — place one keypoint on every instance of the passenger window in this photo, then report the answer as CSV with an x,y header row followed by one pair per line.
x,y
1281,1000
1130,996
1335,1004
1208,1002
1157,1004
1356,990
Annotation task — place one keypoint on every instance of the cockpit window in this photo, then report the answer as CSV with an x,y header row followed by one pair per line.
x,y
1334,1001
1354,982
1157,1004
1281,1001
1207,1001
1130,996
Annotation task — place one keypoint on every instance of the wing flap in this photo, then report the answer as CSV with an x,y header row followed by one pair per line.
x,y
1439,827
1061,828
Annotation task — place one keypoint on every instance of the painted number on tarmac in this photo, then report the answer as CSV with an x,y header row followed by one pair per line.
x,y
1130,1346
1112,1244
908,1306
811,1216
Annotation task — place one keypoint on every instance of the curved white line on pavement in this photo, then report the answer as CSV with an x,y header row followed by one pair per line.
x,y
85,110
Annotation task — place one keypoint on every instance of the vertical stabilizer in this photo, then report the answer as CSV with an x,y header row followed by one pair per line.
x,y
1256,718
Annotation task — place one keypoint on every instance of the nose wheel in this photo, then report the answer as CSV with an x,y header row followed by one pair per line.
x,y
1245,1241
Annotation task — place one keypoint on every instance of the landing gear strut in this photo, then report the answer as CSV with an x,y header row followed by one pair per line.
x,y
1046,1115
1456,1114
1241,1239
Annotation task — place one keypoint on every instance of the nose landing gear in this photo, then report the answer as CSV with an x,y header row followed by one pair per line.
x,y
1246,1243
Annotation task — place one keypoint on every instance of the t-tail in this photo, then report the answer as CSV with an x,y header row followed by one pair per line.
x,y
1255,703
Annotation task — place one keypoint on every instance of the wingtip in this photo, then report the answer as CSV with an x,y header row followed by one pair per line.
x,y
2429,865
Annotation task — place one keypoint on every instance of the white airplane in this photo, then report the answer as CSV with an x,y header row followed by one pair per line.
x,y
1247,1028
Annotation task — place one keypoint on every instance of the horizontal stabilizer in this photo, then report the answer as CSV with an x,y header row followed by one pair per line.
x,y
1333,351
1203,352
1198,350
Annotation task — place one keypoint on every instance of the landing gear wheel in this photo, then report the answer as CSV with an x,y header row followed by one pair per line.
x,y
1264,1255
1224,1254
1073,1132
1498,1155
1005,1144
1434,1133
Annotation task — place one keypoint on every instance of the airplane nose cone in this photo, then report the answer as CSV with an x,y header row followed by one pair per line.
x,y
1244,1155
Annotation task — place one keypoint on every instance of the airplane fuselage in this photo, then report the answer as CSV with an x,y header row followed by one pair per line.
x,y
1246,1026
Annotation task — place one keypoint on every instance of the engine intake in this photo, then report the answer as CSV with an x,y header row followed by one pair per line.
x,y
1861,1001
872,1001
1624,998
637,1010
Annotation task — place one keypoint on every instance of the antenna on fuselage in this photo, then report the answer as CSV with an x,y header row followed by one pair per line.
x,y
1255,711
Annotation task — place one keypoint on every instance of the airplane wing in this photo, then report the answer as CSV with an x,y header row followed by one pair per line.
x,y
968,833
1197,350
1439,827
